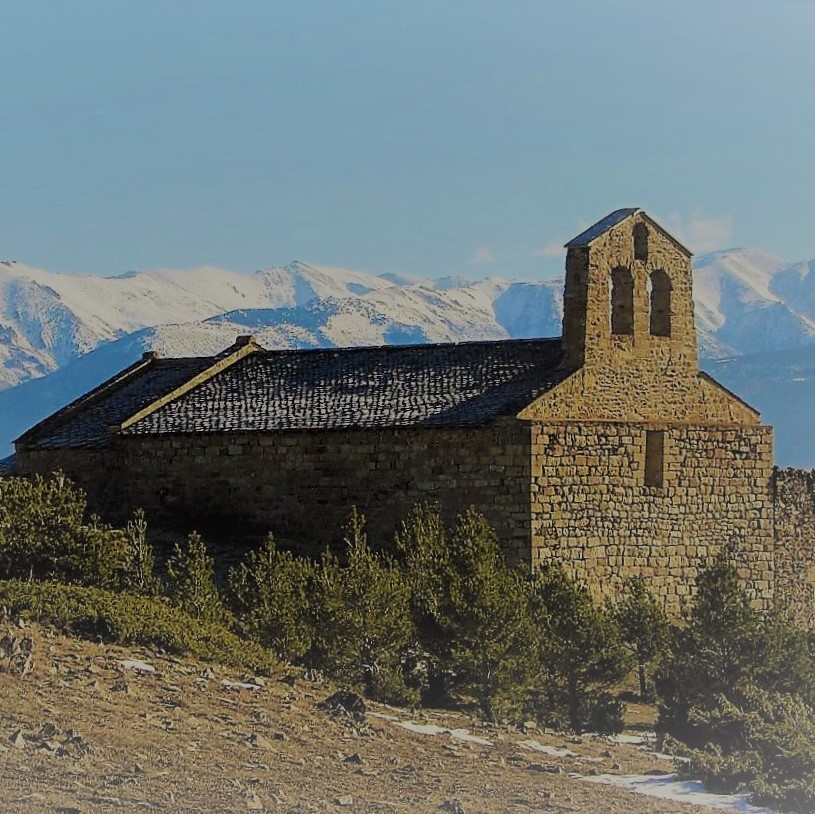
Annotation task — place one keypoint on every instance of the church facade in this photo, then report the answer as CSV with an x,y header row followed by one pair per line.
x,y
605,448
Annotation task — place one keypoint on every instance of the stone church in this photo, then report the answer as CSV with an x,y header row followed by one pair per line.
x,y
605,447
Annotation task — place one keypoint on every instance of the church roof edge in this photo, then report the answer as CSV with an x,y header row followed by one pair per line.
x,y
587,237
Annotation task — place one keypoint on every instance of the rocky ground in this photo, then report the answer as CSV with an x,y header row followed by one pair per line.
x,y
86,727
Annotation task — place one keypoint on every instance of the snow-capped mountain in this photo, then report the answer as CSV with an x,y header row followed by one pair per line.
x,y
747,301
47,319
82,329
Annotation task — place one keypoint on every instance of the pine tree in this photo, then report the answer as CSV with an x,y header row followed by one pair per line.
x,y
270,592
423,549
712,654
470,610
581,646
363,632
737,688
191,576
644,628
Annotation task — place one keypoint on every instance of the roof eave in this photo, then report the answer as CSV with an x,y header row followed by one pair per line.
x,y
62,415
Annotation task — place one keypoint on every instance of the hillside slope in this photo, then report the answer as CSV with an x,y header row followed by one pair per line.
x,y
101,729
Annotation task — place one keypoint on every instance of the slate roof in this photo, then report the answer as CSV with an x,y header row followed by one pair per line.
x,y
274,391
89,425
593,232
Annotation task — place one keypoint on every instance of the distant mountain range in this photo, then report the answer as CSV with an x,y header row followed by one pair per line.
x,y
62,334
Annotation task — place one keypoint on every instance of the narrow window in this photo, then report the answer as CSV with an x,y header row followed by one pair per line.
x,y
654,457
641,242
622,302
660,299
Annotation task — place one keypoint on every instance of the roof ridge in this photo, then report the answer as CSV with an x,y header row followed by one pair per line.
x,y
413,346
243,347
118,380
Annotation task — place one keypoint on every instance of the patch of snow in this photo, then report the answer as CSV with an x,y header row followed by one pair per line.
x,y
137,666
236,686
552,751
633,740
432,729
668,787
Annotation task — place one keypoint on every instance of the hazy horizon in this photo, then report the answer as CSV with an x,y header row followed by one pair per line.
x,y
431,138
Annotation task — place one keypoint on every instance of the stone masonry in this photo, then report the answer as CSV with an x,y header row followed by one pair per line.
x,y
302,485
794,518
606,449
591,502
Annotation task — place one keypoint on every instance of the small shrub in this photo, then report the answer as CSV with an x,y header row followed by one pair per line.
x,y
191,581
270,594
44,535
126,619
763,742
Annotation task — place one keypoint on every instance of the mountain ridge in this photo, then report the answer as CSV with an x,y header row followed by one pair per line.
x,y
69,332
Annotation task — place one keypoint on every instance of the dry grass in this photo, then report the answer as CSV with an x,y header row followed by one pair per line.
x,y
96,737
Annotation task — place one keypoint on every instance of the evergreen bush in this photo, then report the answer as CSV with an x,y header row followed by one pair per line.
x,y
737,690
422,548
191,581
717,649
581,646
470,610
644,628
271,596
125,619
363,632
45,535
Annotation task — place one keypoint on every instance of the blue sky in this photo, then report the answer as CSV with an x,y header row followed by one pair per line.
x,y
433,137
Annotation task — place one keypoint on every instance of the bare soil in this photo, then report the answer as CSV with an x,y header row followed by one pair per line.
x,y
83,732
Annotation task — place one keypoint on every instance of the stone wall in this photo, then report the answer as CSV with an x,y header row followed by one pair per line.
x,y
631,394
570,490
302,485
593,510
794,494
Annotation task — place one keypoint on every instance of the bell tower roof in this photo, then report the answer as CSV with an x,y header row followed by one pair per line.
x,y
607,223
